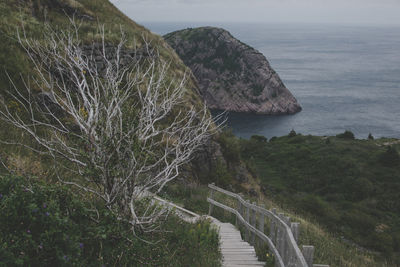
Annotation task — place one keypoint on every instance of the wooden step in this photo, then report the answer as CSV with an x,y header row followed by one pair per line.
x,y
235,251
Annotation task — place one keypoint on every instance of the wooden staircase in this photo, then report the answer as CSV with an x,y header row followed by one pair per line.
x,y
234,250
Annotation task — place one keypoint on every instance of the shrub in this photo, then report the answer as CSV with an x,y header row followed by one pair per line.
x,y
346,135
292,133
390,158
259,138
230,147
47,225
221,175
370,137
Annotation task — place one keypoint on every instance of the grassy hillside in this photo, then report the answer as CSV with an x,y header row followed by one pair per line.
x,y
31,15
45,224
351,187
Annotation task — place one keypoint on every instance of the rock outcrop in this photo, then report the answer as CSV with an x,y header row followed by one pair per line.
x,y
232,75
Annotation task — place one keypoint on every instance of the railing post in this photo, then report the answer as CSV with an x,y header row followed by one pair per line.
x,y
247,235
287,220
253,223
238,209
308,253
210,208
261,221
272,229
287,246
280,241
281,238
295,230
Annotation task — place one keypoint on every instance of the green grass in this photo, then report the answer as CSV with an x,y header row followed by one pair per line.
x,y
32,16
48,225
349,187
178,244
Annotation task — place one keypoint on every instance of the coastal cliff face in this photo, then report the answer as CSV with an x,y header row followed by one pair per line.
x,y
232,76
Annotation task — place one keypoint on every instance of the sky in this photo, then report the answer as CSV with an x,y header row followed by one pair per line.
x,y
360,12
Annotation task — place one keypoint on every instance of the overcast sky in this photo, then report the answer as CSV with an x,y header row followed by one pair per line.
x,y
372,12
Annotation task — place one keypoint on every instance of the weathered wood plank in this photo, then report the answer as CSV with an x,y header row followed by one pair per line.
x,y
235,251
260,234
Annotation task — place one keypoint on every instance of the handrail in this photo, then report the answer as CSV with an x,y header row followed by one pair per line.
x,y
291,254
271,215
249,205
176,207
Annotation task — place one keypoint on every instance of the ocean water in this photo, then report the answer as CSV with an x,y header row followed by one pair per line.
x,y
344,77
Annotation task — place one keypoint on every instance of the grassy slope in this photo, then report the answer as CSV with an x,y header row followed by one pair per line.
x,y
31,14
15,13
348,186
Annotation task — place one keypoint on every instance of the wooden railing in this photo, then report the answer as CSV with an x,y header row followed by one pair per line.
x,y
282,234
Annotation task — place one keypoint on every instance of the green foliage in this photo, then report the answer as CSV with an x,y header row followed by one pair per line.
x,y
220,57
257,89
350,187
259,138
370,137
390,158
230,147
222,177
292,133
264,254
46,225
192,197
346,135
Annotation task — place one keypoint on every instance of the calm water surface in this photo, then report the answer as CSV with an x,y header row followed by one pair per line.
x,y
345,77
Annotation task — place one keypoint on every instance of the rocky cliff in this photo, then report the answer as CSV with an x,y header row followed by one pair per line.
x,y
232,75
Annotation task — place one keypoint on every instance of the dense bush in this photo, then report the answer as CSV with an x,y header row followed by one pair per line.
x,y
346,135
390,158
259,138
292,133
230,146
46,225
370,137
221,175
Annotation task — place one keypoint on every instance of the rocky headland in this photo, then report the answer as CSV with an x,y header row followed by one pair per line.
x,y
232,76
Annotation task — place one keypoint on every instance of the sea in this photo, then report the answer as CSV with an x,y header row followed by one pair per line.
x,y
344,77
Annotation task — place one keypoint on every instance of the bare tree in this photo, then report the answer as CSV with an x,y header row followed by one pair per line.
x,y
124,129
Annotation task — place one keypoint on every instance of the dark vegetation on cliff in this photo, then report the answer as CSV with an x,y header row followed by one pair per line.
x,y
232,75
349,186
